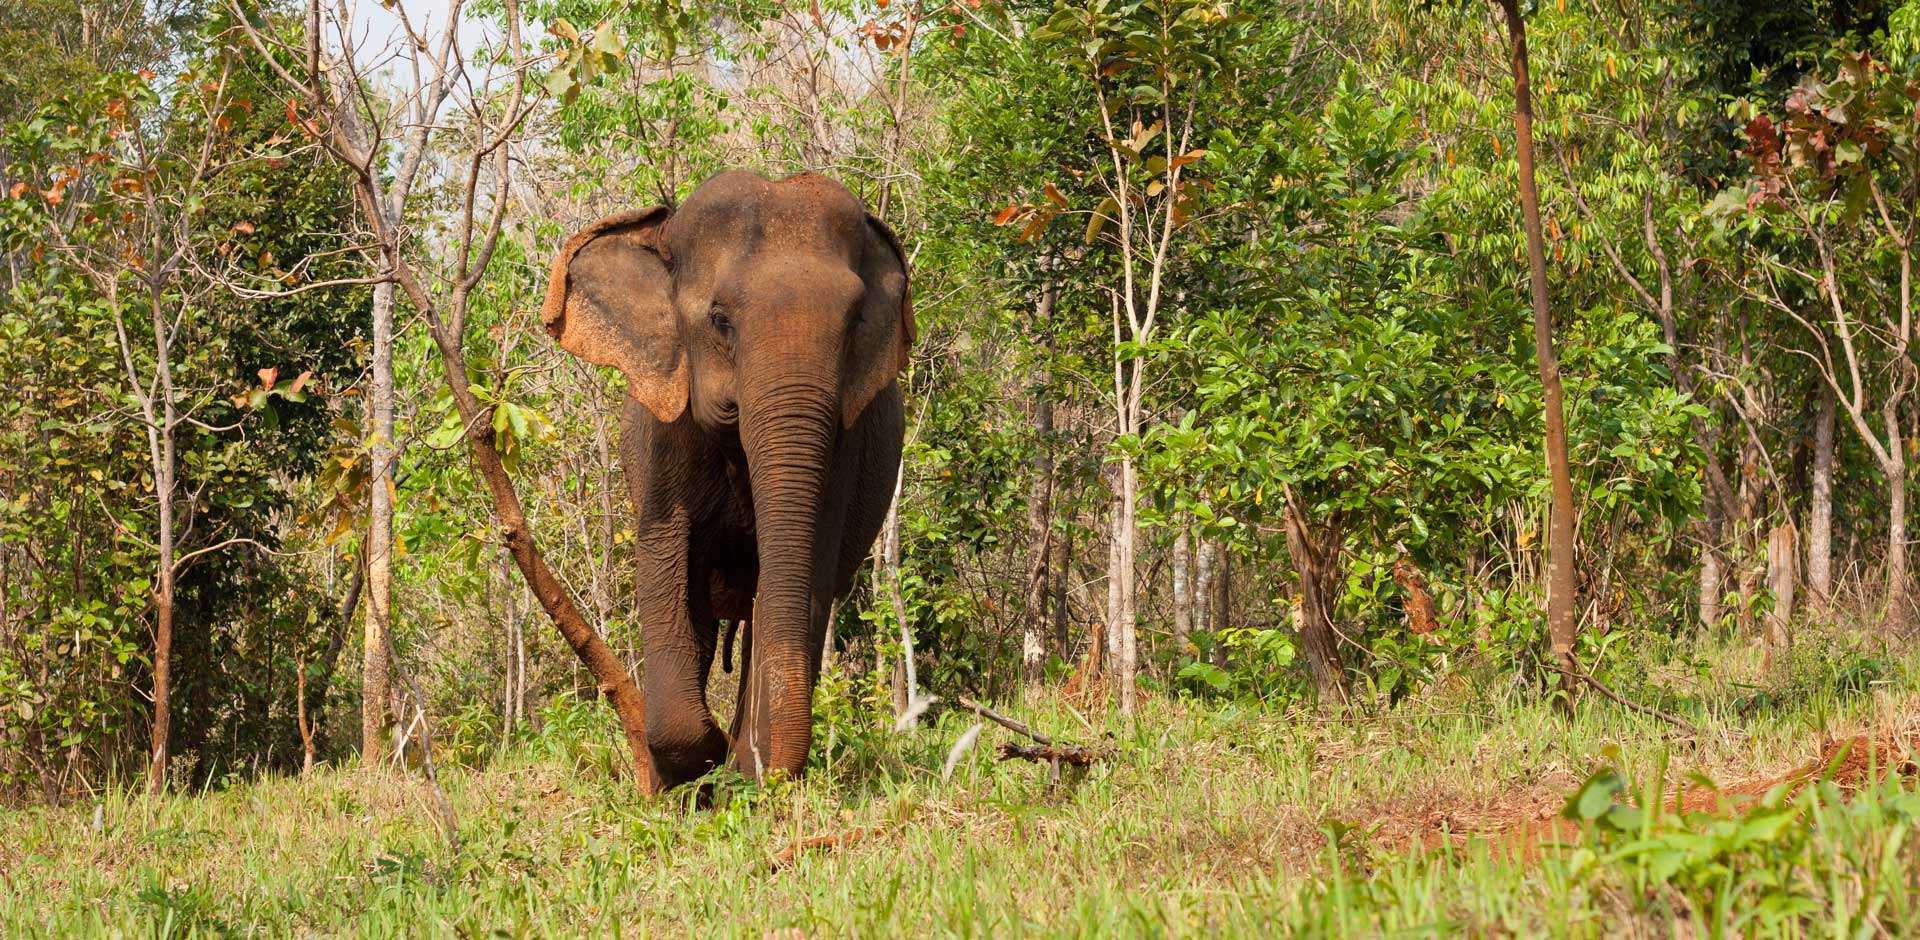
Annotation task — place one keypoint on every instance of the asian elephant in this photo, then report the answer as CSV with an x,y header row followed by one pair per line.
x,y
761,326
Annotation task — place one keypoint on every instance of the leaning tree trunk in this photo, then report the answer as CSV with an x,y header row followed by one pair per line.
x,y
609,673
1561,622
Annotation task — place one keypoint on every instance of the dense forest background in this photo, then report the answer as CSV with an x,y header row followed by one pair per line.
x,y
1225,383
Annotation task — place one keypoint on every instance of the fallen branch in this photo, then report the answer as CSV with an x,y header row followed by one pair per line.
x,y
1075,754
1043,750
1623,702
792,853
1003,721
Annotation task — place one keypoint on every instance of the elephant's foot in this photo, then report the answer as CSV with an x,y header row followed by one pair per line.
x,y
686,753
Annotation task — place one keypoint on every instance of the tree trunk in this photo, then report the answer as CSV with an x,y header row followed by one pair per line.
x,y
300,719
373,654
1182,586
1710,587
1561,622
1127,660
1062,622
1820,509
1203,566
163,448
315,698
1109,629
1315,560
1783,550
1222,602
609,672
906,682
1033,644
1896,471
162,671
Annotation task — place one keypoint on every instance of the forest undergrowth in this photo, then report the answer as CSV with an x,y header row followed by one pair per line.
x,y
1472,811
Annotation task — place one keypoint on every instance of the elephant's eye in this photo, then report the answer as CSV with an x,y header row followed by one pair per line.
x,y
718,317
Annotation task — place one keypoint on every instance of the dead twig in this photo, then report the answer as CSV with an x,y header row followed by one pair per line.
x,y
1075,754
792,853
1618,699
1003,721
1043,750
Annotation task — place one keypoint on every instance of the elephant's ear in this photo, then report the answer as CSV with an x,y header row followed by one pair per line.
x,y
880,342
610,302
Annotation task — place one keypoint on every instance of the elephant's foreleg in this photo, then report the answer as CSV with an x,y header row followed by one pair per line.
x,y
679,648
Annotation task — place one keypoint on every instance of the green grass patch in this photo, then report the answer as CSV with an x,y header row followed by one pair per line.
x,y
1209,819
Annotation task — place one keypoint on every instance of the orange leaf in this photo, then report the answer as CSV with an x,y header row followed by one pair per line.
x,y
1192,156
243,227
1005,215
17,190
268,375
1053,195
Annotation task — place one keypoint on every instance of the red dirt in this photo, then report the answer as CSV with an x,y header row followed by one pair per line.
x,y
1523,822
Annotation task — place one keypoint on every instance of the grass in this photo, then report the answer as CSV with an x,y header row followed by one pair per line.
x,y
1208,820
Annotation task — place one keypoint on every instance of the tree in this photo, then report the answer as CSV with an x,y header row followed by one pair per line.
x,y
128,178
441,294
1562,617
1145,66
1828,213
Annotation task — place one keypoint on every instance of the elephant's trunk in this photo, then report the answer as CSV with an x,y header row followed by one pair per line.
x,y
788,431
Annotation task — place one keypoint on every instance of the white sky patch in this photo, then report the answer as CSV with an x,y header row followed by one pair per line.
x,y
378,36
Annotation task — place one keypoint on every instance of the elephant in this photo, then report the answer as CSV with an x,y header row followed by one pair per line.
x,y
761,327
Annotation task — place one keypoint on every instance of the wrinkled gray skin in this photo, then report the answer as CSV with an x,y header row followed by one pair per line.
x,y
760,326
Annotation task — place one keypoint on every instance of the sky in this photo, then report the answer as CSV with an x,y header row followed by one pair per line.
x,y
377,29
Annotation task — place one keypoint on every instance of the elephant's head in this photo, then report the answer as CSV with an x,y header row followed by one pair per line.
x,y
777,308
